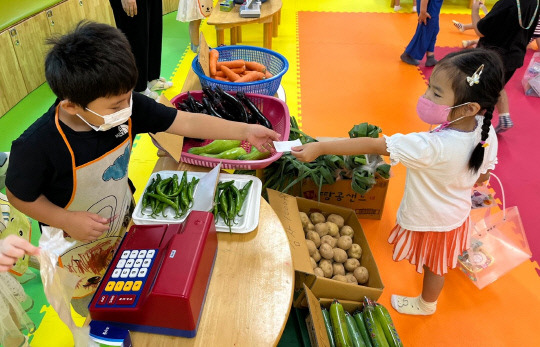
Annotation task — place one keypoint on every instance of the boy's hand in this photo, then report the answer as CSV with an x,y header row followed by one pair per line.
x,y
85,226
307,152
12,248
261,137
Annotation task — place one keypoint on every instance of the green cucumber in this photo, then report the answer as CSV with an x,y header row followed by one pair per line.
x,y
373,327
339,324
354,332
215,147
328,325
359,318
254,155
383,316
232,153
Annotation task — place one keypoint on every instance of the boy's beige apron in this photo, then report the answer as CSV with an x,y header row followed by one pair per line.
x,y
100,186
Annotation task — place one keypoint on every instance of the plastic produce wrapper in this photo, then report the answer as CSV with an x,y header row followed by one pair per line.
x,y
58,283
531,78
13,319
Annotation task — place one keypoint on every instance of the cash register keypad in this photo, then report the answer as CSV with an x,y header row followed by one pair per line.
x,y
128,277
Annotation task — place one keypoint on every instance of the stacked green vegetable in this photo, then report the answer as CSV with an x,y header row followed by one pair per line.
x,y
371,327
228,149
228,201
169,193
287,171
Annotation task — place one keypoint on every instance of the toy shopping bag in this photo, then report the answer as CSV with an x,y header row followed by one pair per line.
x,y
498,244
531,78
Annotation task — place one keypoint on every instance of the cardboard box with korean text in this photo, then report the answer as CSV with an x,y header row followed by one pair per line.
x,y
287,208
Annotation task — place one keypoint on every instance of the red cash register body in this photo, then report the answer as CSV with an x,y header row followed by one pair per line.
x,y
159,276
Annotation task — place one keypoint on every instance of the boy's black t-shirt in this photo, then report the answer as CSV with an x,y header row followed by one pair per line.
x,y
40,162
503,33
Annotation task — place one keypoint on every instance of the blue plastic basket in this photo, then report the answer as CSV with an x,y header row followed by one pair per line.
x,y
275,63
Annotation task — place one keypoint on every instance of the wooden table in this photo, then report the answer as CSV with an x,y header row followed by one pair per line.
x,y
270,18
250,292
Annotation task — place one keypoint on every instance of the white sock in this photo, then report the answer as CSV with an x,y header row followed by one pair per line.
x,y
397,8
413,306
414,8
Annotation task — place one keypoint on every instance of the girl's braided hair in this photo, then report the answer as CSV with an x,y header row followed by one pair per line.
x,y
463,64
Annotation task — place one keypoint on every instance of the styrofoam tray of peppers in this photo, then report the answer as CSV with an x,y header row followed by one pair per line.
x,y
169,195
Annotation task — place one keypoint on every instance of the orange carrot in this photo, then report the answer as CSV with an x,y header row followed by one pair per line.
x,y
254,66
251,77
239,71
267,74
231,64
213,58
220,79
233,76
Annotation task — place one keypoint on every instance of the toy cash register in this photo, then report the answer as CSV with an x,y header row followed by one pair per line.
x,y
158,278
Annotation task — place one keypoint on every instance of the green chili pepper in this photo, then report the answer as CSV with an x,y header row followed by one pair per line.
x,y
164,200
236,197
161,187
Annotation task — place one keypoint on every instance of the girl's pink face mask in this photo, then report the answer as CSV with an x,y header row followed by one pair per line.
x,y
433,113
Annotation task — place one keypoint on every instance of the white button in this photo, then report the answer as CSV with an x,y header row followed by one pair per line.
x,y
133,272
142,253
142,272
125,273
129,262
125,254
133,254
121,263
147,262
138,262
150,253
116,273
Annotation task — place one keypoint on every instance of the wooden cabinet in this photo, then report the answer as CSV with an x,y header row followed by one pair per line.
x,y
64,17
12,88
97,11
28,39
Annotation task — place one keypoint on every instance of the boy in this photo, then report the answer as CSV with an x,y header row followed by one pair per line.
x,y
69,169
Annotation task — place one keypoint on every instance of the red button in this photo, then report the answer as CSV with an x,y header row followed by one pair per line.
x,y
126,299
112,299
103,299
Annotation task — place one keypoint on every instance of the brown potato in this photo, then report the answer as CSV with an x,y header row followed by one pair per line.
x,y
361,274
317,217
304,219
316,255
309,227
351,264
313,262
346,231
327,252
329,240
355,251
340,278
344,242
311,247
350,278
333,229
318,272
313,236
337,219
338,269
340,256
321,229
326,266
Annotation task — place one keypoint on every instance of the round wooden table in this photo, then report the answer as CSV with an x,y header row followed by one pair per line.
x,y
270,18
250,292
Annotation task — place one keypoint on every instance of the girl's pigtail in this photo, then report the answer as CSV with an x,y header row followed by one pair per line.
x,y
477,156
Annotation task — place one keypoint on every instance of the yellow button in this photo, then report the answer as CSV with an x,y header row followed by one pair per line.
x,y
110,286
137,286
119,286
127,286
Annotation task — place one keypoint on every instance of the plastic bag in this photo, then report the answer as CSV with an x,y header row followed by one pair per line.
x,y
531,78
498,244
13,319
481,197
58,283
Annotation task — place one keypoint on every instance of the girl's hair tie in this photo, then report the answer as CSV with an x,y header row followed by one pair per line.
x,y
484,144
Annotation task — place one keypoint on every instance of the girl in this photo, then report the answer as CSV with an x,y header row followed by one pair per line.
x,y
442,166
193,11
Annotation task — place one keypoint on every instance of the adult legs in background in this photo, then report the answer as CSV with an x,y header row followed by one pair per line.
x,y
503,107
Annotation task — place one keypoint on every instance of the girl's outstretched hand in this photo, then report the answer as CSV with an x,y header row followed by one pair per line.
x,y
12,248
260,137
307,152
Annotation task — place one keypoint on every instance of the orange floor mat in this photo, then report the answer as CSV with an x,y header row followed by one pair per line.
x,y
350,73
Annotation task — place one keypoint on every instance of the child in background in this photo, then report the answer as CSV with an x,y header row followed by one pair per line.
x,y
442,166
423,41
69,169
193,11
397,6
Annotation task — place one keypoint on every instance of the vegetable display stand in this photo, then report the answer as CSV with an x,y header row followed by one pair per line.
x,y
275,110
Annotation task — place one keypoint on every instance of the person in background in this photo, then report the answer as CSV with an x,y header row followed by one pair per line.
x,y
69,169
423,41
142,23
443,165
506,29
397,6
193,11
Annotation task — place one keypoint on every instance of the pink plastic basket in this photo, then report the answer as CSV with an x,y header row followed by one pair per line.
x,y
275,110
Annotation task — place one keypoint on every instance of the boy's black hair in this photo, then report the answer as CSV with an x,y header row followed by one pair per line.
x,y
462,64
92,61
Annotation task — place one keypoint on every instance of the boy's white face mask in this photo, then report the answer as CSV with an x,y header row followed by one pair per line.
x,y
111,120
